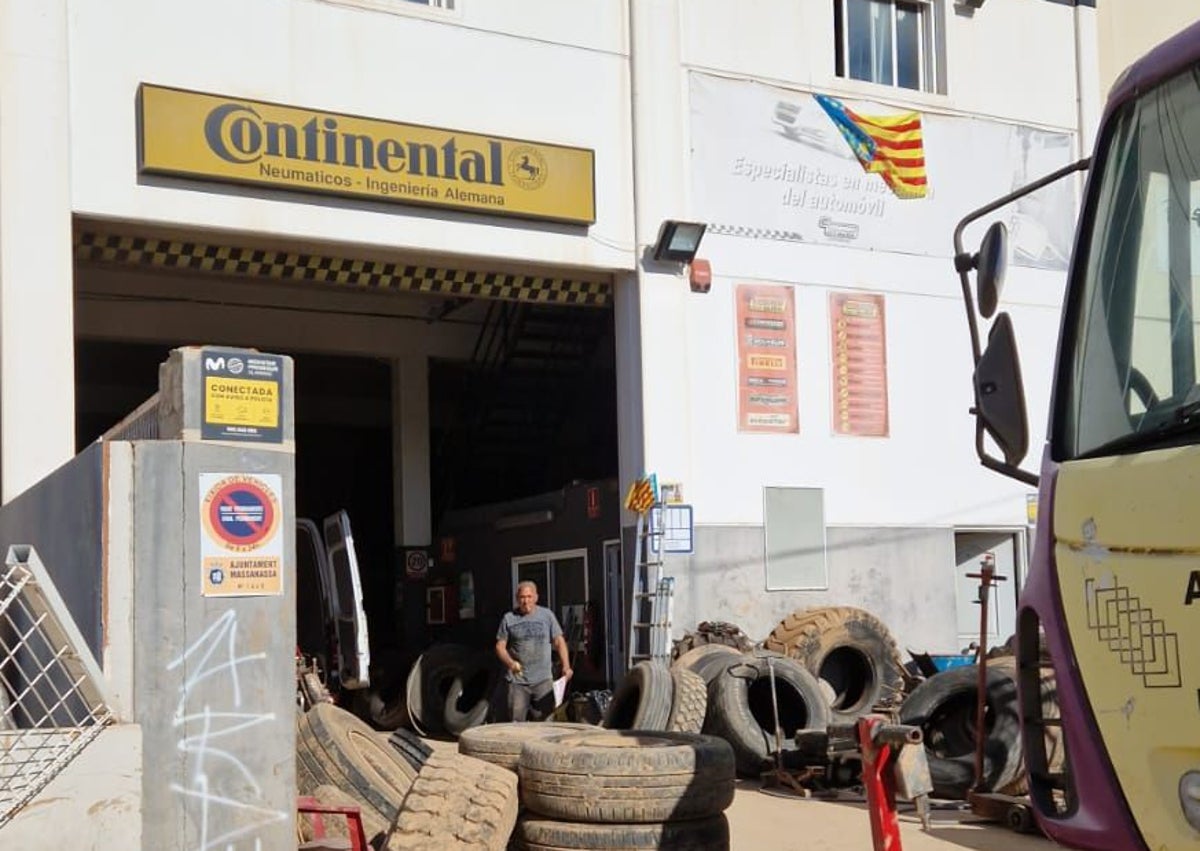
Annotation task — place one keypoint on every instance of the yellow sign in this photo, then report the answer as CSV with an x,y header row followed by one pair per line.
x,y
239,402
236,140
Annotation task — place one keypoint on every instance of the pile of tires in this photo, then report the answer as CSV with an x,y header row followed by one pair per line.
x,y
850,651
626,789
657,698
743,693
456,803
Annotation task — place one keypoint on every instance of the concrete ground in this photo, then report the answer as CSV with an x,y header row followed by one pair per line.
x,y
777,821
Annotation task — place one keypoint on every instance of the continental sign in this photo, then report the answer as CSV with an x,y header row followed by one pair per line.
x,y
193,135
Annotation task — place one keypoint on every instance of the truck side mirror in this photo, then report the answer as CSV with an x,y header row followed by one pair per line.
x,y
1000,394
990,264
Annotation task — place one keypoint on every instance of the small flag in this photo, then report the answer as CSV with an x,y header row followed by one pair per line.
x,y
643,494
892,146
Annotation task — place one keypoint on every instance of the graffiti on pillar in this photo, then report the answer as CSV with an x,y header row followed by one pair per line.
x,y
223,790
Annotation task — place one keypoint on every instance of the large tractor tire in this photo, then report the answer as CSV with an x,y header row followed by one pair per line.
x,y
626,777
706,834
338,749
712,632
849,649
500,744
643,699
457,804
945,708
741,708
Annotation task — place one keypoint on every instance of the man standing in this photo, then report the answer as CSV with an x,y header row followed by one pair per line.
x,y
523,644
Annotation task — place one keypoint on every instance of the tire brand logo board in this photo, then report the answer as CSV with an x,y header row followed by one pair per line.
x,y
243,396
241,550
768,400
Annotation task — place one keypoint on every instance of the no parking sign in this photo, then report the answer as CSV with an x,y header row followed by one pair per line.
x,y
241,550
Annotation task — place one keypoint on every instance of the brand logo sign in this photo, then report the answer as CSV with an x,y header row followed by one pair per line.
x,y
213,137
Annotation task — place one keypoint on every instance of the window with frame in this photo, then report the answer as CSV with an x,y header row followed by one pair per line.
x,y
889,42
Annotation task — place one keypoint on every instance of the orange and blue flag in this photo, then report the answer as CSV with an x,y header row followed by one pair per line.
x,y
891,146
643,494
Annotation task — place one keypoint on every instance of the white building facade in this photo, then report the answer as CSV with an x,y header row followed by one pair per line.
x,y
811,407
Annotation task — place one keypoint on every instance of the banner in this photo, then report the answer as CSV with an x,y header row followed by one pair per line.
x,y
776,164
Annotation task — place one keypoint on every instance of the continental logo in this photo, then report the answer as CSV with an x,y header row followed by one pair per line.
x,y
193,135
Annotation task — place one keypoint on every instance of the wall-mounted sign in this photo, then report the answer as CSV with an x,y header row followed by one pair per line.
x,y
593,503
416,564
858,333
241,550
766,345
243,396
671,529
235,140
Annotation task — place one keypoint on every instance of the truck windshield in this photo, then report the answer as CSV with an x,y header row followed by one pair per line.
x,y
1131,366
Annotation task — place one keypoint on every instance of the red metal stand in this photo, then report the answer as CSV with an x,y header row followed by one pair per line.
x,y
310,805
879,780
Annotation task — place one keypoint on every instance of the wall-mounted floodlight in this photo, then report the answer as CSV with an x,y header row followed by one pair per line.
x,y
678,241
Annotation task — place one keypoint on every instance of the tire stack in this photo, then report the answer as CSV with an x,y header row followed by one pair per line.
x,y
626,789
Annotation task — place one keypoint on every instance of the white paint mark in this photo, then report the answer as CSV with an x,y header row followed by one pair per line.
x,y
213,763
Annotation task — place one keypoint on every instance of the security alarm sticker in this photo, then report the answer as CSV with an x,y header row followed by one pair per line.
x,y
241,550
243,396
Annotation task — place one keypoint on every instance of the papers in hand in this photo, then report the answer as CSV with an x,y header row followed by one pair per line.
x,y
560,690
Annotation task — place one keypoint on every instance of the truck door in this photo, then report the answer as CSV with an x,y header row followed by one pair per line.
x,y
354,653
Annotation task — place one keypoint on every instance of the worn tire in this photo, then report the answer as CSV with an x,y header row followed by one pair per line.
x,y
429,681
1050,709
689,702
712,632
709,661
338,749
741,709
457,802
707,834
944,707
468,700
643,699
626,776
409,745
500,744
851,650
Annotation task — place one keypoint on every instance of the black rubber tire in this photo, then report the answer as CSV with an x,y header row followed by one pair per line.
x,y
500,744
469,699
851,650
410,746
626,776
712,632
429,681
709,661
643,699
741,710
706,834
457,803
689,702
1052,734
338,749
944,707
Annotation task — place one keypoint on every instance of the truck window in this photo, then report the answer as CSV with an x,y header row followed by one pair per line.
x,y
1130,379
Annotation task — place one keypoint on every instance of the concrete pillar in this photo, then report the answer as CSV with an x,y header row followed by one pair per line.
x,y
410,451
37,372
660,154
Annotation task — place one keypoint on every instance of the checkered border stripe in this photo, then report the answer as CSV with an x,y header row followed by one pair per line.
x,y
756,233
291,266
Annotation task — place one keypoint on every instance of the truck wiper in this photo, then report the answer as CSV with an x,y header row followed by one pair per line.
x,y
1182,421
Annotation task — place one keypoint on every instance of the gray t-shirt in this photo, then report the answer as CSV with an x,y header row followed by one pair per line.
x,y
529,638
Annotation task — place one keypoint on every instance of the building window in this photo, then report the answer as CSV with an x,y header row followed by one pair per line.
x,y
890,42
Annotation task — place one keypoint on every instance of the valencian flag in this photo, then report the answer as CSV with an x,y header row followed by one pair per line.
x,y
642,495
889,145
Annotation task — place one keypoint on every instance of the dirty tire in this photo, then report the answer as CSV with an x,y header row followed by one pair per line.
x,y
709,661
1050,709
944,708
429,681
707,834
850,649
457,802
500,744
338,749
712,632
468,700
409,745
626,776
741,710
689,702
643,699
